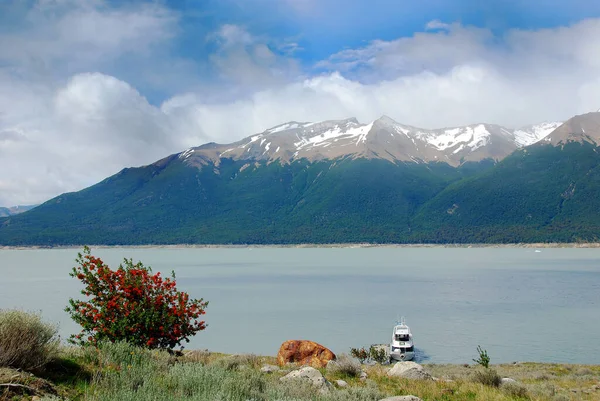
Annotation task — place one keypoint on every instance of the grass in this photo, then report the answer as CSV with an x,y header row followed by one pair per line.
x,y
123,372
26,342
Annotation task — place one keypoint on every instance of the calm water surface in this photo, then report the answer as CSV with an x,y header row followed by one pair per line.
x,y
518,304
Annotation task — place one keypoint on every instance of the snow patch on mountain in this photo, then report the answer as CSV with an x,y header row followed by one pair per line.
x,y
287,126
185,154
529,135
472,137
326,138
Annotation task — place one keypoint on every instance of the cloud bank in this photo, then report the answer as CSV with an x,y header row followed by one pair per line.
x,y
74,106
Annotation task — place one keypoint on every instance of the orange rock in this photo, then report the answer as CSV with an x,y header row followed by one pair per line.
x,y
304,352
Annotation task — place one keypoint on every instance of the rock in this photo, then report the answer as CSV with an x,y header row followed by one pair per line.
x,y
384,347
304,352
409,370
269,369
309,375
506,380
402,398
341,383
363,376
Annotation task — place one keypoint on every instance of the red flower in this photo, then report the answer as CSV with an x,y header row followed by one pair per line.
x,y
130,303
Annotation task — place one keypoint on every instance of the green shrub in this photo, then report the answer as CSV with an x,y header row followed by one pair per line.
x,y
488,377
233,362
484,359
26,342
370,392
132,304
515,390
344,365
377,354
359,353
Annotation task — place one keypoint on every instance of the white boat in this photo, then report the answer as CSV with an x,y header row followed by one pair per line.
x,y
402,347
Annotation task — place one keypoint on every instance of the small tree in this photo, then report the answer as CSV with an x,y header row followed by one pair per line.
x,y
132,304
359,353
377,354
484,359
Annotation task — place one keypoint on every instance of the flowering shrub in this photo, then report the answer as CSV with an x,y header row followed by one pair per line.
x,y
359,353
132,304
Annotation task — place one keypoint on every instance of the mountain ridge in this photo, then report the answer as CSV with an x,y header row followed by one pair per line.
x,y
545,192
381,138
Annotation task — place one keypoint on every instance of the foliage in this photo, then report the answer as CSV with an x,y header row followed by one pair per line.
x,y
26,342
121,371
377,354
345,366
374,353
329,201
541,193
484,359
515,390
359,353
487,377
132,304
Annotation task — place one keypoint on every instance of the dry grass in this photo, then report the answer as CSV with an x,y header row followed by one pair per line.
x,y
26,342
487,377
240,361
535,382
126,373
344,366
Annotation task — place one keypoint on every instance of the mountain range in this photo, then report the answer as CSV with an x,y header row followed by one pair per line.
x,y
383,138
341,181
10,211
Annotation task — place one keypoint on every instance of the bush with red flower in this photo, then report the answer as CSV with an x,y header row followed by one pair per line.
x,y
132,304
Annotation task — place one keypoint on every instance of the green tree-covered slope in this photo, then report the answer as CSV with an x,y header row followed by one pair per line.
x,y
539,194
169,202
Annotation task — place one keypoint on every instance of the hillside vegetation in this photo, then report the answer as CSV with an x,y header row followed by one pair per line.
x,y
542,193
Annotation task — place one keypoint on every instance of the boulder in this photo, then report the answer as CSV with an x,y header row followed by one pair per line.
x,y
269,369
506,380
309,375
409,370
402,398
341,383
304,352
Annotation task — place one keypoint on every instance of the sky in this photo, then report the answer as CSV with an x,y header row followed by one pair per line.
x,y
89,87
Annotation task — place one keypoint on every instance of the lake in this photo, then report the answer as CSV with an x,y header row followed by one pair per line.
x,y
519,304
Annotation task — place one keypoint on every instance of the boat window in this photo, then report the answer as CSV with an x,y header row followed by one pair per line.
x,y
402,337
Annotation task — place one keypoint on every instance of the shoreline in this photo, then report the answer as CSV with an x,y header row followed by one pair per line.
x,y
341,245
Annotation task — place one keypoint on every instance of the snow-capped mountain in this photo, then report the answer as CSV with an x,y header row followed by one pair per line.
x,y
383,138
531,134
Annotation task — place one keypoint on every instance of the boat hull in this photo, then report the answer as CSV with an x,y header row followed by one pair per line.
x,y
401,356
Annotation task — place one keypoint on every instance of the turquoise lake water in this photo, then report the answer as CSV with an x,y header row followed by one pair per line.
x,y
519,304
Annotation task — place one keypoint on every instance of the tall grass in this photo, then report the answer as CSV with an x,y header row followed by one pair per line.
x,y
26,342
130,373
344,366
487,377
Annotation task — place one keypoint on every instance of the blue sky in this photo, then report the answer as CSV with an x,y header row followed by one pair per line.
x,y
85,82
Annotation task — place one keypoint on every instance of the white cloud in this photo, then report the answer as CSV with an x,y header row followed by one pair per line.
x,y
246,62
72,36
63,134
436,24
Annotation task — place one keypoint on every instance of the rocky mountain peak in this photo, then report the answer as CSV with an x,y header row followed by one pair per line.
x,y
581,128
382,138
